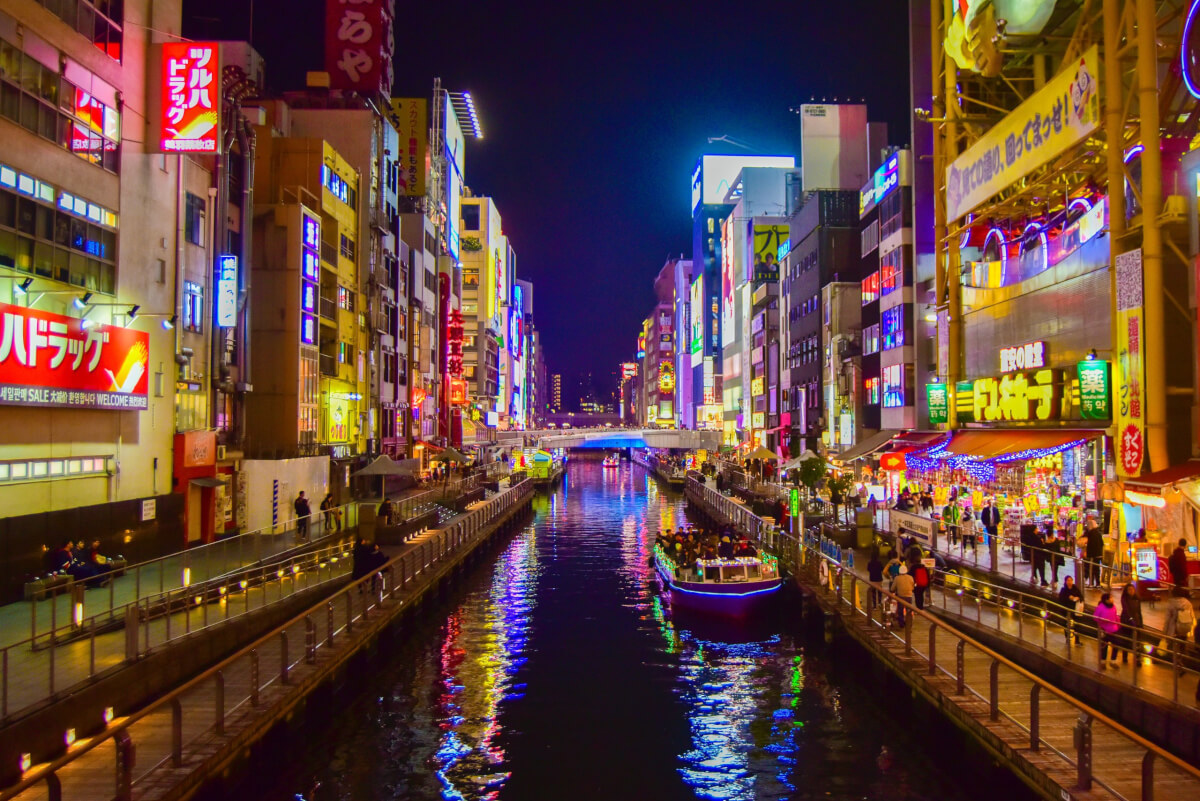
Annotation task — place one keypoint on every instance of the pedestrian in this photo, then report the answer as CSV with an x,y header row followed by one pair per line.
x,y
892,568
1181,618
875,577
1177,563
950,519
1070,602
920,574
1131,620
1093,551
967,526
1108,623
1054,550
303,512
327,511
903,587
990,518
1037,554
385,512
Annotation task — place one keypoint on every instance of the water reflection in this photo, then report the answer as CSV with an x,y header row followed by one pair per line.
x,y
558,671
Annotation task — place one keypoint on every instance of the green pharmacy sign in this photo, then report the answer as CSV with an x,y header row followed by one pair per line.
x,y
937,397
794,503
1095,396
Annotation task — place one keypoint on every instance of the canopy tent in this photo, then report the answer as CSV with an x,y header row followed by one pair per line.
x,y
804,457
1008,445
384,465
762,453
450,455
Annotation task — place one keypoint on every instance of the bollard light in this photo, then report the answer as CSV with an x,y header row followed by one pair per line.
x,y
77,615
69,737
199,599
187,577
242,584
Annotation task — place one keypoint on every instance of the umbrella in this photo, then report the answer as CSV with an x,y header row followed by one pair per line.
x,y
385,466
762,453
450,455
804,457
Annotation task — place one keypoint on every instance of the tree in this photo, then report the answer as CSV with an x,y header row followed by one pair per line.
x,y
810,472
839,486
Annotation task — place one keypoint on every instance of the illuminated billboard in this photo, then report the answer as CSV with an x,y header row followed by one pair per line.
x,y
769,241
696,345
715,175
359,45
455,168
191,98
49,359
728,332
410,116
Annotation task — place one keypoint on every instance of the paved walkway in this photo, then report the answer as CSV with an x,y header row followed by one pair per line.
x,y
1151,672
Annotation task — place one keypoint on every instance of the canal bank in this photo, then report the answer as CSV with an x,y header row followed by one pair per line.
x,y
1042,734
195,732
557,671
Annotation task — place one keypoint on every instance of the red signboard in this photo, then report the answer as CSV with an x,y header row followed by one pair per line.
x,y
191,98
458,390
51,360
358,45
892,461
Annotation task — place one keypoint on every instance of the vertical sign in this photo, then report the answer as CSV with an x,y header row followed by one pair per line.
x,y
358,45
1094,397
410,115
191,98
1130,369
274,503
937,398
310,277
227,280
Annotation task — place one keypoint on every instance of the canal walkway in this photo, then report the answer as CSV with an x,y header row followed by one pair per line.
x,y
182,739
1052,740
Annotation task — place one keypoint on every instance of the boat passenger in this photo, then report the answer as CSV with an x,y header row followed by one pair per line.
x,y
725,549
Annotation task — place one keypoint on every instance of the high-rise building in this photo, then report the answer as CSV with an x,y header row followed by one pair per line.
x,y
556,392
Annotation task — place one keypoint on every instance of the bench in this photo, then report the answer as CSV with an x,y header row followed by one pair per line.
x,y
38,589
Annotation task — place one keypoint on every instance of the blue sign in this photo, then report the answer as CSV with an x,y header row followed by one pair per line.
x,y
227,281
887,177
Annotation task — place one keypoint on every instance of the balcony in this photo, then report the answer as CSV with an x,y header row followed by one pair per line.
x,y
328,364
328,309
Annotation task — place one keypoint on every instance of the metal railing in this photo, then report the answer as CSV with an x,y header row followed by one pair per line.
x,y
1021,614
62,615
1161,774
30,676
202,708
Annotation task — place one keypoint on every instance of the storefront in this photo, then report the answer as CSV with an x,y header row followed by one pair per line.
x,y
1157,511
205,493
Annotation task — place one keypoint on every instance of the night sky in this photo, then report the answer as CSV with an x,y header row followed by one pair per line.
x,y
594,114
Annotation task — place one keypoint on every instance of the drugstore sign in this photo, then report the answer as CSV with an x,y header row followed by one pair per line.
x,y
191,98
1020,397
49,359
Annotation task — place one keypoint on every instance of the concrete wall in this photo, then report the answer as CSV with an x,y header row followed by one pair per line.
x,y
309,474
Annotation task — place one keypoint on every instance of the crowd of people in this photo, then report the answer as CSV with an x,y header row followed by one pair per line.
x,y
687,545
83,564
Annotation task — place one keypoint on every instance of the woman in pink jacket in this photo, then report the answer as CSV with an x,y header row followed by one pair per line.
x,y
1108,621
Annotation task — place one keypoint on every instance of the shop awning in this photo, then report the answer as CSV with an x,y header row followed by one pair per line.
x,y
1014,445
867,446
207,482
1155,482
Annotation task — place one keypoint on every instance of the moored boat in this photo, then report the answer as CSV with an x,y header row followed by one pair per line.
x,y
737,586
612,460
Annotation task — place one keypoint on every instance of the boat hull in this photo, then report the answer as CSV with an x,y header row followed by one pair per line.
x,y
733,600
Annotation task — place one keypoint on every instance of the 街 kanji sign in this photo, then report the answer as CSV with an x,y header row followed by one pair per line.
x,y
191,98
1050,121
358,44
47,359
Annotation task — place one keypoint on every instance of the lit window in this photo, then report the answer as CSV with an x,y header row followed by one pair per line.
x,y
193,307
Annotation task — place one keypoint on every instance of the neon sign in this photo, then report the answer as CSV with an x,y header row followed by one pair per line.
x,y
191,98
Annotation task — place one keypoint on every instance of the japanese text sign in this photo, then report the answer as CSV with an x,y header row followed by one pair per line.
x,y
410,115
227,290
1131,356
1094,398
1050,121
51,360
1029,356
358,45
191,98
937,398
1019,397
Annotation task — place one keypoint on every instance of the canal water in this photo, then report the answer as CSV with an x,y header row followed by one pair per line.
x,y
556,672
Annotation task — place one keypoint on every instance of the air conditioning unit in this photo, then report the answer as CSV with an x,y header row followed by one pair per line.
x,y
220,453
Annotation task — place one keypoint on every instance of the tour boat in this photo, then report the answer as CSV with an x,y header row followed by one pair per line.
x,y
612,460
735,587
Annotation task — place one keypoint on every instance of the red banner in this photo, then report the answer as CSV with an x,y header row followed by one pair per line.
x,y
358,45
191,98
51,360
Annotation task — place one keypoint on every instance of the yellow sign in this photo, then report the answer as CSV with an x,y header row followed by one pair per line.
x,y
338,415
976,500
1050,121
1020,397
1031,504
759,420
756,386
1131,355
941,496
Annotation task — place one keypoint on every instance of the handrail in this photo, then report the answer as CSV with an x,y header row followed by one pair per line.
x,y
1040,682
119,725
998,658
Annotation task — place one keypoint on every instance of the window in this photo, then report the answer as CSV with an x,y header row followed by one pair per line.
x,y
347,247
193,307
892,327
193,219
871,391
893,386
470,217
891,275
345,298
37,98
870,237
870,288
870,339
56,235
97,20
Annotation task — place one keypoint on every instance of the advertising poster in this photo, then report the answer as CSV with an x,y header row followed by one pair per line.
x,y
1131,354
1050,121
769,240
359,45
49,359
696,321
728,332
410,115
